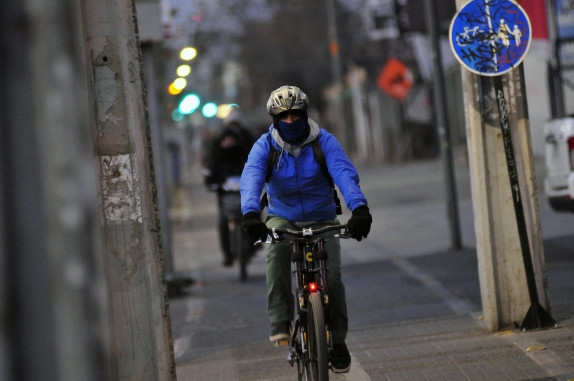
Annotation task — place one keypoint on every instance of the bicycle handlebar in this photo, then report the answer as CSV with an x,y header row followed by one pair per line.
x,y
307,232
277,233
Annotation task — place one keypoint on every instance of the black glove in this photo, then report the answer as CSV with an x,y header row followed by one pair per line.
x,y
359,224
254,227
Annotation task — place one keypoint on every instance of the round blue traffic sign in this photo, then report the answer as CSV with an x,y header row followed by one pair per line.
x,y
490,37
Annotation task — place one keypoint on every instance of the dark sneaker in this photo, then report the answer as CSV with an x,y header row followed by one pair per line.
x,y
340,359
279,333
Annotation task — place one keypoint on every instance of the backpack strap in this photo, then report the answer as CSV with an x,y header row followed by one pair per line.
x,y
273,156
320,157
271,160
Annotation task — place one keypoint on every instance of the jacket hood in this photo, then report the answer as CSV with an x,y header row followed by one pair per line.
x,y
292,149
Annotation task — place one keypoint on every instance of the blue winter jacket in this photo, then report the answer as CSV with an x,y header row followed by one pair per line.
x,y
297,189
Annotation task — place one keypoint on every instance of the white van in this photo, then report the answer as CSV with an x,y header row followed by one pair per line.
x,y
559,153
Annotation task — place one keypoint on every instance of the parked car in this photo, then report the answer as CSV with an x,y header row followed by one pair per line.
x,y
559,157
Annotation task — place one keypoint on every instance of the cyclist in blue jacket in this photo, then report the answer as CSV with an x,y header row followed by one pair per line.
x,y
300,195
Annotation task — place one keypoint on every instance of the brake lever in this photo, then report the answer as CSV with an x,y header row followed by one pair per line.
x,y
270,239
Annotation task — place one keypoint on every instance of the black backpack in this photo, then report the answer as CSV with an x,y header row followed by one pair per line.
x,y
274,154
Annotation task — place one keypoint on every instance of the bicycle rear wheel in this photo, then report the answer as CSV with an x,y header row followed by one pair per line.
x,y
317,339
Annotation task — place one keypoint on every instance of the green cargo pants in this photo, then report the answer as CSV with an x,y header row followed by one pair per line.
x,y
280,299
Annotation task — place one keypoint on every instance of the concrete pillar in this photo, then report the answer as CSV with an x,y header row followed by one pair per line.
x,y
503,284
140,343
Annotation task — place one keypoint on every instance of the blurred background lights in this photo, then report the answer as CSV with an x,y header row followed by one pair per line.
x,y
209,110
176,115
173,90
188,54
180,83
224,110
189,104
183,70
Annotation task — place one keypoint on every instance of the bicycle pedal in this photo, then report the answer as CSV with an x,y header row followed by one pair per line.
x,y
281,343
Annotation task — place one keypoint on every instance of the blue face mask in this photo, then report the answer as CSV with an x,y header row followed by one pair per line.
x,y
294,132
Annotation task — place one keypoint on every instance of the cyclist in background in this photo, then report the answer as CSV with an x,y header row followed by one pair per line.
x,y
226,159
300,195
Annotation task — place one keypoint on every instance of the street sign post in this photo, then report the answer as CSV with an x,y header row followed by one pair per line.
x,y
537,316
490,38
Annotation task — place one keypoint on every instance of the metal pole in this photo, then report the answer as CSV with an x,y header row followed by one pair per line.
x,y
537,316
444,132
337,73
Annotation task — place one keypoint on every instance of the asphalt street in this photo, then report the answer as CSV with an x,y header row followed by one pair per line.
x,y
414,304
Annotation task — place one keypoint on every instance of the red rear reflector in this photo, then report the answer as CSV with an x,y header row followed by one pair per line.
x,y
313,287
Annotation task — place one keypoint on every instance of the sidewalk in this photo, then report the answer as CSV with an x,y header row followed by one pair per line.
x,y
457,348
219,332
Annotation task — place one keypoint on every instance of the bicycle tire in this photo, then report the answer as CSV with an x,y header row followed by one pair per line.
x,y
317,339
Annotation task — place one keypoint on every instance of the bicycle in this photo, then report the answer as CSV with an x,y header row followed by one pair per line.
x,y
239,242
311,339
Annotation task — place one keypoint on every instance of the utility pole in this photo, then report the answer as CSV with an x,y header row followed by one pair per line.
x,y
51,276
140,343
508,235
337,74
444,132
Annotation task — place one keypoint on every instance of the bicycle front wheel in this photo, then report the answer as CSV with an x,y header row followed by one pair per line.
x,y
317,339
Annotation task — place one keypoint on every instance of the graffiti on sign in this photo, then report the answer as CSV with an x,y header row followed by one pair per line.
x,y
490,37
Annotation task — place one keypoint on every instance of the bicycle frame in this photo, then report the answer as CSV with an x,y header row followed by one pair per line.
x,y
309,259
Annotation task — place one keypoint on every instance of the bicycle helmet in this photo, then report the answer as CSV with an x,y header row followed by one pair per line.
x,y
286,98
